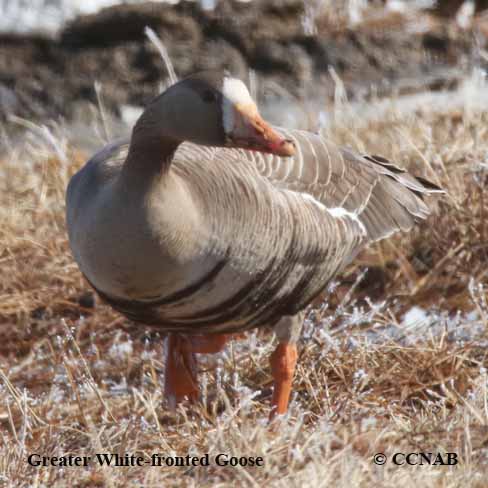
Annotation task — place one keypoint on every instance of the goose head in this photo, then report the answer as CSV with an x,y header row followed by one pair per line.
x,y
211,109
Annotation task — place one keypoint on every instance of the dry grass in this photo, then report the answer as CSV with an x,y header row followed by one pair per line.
x,y
78,379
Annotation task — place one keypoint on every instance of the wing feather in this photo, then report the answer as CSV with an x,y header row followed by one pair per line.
x,y
385,197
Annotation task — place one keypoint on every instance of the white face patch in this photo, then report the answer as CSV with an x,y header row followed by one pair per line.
x,y
235,92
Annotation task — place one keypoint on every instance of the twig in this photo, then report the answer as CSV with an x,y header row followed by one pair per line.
x,y
152,36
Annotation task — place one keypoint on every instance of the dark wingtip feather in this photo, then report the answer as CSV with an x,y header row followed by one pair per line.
x,y
385,163
428,185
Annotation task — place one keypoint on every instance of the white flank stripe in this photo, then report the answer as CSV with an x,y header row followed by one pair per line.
x,y
336,212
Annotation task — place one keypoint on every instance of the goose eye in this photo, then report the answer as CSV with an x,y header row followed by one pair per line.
x,y
209,96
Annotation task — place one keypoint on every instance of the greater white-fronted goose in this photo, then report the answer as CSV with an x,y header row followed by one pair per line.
x,y
209,222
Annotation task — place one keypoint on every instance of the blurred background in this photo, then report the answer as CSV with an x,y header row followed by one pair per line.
x,y
67,60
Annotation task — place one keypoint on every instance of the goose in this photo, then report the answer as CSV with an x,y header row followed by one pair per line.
x,y
208,222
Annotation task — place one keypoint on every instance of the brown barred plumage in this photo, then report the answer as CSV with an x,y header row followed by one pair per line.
x,y
265,228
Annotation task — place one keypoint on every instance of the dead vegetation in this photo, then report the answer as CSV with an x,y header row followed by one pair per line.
x,y
393,360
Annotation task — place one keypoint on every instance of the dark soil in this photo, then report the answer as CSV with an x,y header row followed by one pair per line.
x,y
44,78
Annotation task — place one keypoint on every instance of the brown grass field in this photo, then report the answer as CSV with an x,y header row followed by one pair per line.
x,y
76,378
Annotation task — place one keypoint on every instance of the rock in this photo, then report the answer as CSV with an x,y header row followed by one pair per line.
x,y
47,78
126,22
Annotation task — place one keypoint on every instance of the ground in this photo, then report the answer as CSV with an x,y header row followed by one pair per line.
x,y
393,358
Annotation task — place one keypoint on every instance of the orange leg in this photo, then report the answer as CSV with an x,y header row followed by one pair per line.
x,y
283,362
181,365
209,344
181,370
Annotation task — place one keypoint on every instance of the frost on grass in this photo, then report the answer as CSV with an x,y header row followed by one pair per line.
x,y
392,357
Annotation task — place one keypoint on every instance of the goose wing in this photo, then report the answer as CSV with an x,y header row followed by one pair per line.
x,y
384,197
